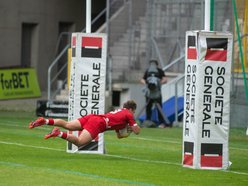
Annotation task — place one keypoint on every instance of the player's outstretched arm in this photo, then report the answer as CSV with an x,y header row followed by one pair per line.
x,y
124,133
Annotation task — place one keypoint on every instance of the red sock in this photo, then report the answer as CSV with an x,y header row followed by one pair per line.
x,y
50,121
64,135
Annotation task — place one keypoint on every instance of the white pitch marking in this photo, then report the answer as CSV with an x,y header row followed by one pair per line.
x,y
157,140
30,146
117,156
139,138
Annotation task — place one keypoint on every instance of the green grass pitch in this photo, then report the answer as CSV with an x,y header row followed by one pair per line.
x,y
149,159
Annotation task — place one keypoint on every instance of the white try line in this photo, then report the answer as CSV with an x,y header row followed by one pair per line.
x,y
177,142
158,140
168,140
141,160
116,156
29,146
165,140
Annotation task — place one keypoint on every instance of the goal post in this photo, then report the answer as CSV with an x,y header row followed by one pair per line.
x,y
87,84
208,59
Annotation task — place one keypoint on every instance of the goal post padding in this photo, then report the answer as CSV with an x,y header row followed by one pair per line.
x,y
87,84
208,59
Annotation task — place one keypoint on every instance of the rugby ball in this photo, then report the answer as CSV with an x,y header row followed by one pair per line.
x,y
125,131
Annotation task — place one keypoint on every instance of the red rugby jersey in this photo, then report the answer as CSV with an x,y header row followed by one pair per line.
x,y
118,119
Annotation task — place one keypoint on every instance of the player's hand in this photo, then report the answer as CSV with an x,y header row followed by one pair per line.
x,y
129,129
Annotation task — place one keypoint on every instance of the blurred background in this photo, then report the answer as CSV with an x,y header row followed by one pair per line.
x,y
36,34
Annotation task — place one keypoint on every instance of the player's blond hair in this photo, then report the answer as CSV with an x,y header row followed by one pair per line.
x,y
130,104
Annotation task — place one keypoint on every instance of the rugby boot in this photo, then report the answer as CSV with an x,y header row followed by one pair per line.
x,y
40,121
55,132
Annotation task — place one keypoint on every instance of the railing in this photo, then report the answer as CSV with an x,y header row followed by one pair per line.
x,y
177,60
175,81
63,52
157,52
49,80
